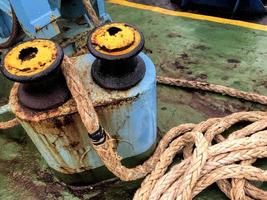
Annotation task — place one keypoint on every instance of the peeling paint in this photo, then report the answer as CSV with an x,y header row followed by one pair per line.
x,y
62,139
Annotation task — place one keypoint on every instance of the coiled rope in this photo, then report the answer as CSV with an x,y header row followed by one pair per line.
x,y
208,155
202,165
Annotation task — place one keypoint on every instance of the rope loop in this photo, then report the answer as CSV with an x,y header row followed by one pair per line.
x,y
209,156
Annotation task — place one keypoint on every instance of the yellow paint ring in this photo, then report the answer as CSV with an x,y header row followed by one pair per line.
x,y
30,58
115,39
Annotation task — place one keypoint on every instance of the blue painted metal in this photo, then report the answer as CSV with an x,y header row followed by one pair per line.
x,y
5,7
40,18
5,21
133,122
251,6
130,116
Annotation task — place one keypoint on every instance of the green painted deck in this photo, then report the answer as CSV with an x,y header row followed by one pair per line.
x,y
180,47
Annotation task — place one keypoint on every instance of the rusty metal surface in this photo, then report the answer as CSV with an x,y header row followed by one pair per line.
x,y
120,74
44,96
29,115
116,45
63,140
99,96
26,63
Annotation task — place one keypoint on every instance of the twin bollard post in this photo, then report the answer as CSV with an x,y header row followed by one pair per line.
x,y
122,84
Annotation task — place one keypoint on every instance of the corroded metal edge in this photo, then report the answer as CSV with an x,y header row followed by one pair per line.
x,y
62,141
67,108
53,136
30,115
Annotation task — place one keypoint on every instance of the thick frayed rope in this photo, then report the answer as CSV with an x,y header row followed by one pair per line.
x,y
209,157
249,96
9,124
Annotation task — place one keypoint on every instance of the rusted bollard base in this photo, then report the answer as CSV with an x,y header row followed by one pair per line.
x,y
101,173
63,141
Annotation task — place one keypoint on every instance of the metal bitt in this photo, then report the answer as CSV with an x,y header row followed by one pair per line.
x,y
42,103
36,64
117,45
129,115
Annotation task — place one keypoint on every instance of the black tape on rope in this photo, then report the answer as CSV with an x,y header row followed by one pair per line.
x,y
98,137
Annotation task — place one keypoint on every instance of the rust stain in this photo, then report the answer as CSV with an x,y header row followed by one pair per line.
x,y
115,103
80,38
67,108
52,20
58,134
37,28
26,114
74,144
62,121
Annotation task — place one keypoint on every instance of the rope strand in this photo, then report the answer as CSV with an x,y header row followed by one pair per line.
x,y
207,163
9,124
223,90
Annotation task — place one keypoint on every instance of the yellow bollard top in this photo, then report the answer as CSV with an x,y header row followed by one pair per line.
x,y
115,39
30,58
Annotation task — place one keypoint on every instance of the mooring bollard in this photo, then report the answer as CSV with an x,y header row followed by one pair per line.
x,y
122,84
